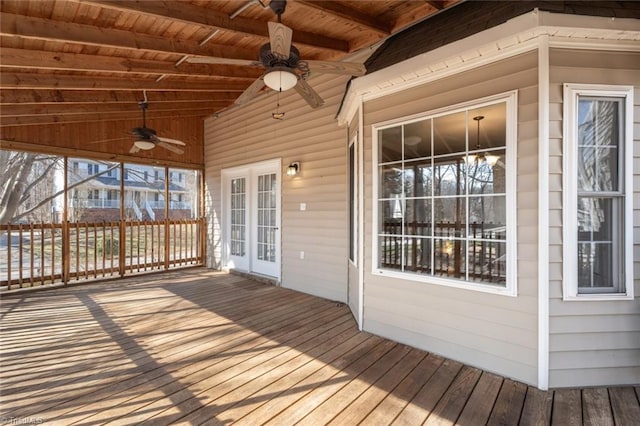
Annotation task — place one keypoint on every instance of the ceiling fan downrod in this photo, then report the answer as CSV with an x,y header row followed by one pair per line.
x,y
278,7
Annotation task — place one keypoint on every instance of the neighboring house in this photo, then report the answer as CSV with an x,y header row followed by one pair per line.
x,y
476,196
98,198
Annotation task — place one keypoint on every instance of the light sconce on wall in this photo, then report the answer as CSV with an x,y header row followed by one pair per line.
x,y
293,169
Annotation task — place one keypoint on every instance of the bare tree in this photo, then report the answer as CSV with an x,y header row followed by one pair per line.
x,y
27,184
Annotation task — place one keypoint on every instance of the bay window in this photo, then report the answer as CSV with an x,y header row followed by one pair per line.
x,y
445,196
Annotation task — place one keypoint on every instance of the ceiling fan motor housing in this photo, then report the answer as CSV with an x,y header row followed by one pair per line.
x,y
144,132
269,59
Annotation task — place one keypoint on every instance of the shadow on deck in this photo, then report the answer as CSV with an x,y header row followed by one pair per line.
x,y
202,347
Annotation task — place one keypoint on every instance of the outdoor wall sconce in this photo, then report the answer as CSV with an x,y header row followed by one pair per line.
x,y
293,169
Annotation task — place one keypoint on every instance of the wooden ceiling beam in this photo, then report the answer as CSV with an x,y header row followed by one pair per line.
x,y
75,82
32,120
46,29
47,96
61,108
437,4
192,14
40,59
348,14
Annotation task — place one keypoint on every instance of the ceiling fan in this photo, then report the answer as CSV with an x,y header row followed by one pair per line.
x,y
284,69
147,138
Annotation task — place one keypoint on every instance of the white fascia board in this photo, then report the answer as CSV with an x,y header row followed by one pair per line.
x,y
516,36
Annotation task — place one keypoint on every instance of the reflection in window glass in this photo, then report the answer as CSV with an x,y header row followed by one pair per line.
x,y
442,195
600,199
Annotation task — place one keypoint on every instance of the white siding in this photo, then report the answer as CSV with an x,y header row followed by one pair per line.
x,y
595,342
493,332
248,134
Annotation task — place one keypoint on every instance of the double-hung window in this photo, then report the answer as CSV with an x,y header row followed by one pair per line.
x,y
597,211
445,196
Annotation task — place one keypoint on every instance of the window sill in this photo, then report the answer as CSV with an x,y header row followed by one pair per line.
x,y
465,285
597,297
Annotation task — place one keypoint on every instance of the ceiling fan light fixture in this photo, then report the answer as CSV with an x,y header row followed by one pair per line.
x,y
280,80
144,144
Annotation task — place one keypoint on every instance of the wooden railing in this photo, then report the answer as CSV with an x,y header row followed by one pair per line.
x,y
33,255
446,254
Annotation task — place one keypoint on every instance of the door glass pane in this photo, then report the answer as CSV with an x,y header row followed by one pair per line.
x,y
238,217
267,217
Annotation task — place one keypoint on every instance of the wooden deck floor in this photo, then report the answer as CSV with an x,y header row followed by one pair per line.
x,y
199,347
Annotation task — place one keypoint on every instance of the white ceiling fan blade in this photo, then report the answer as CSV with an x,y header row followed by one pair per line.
x,y
228,61
170,147
250,92
328,67
280,39
169,140
134,149
308,94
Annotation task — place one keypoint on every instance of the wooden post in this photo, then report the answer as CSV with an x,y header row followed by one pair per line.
x,y
167,238
122,237
66,249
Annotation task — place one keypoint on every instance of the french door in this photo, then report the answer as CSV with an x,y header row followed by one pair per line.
x,y
251,206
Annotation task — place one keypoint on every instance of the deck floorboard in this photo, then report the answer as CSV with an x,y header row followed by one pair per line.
x,y
203,347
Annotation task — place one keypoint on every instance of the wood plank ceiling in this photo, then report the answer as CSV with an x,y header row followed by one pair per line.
x,y
79,61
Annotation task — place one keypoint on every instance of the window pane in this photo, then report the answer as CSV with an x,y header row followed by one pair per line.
x,y
417,139
450,216
598,144
449,257
599,251
450,133
487,127
417,255
390,143
391,178
418,182
598,219
417,218
487,261
390,252
448,176
596,265
488,213
390,215
484,178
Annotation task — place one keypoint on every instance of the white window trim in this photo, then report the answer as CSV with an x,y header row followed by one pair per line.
x,y
511,100
570,189
356,196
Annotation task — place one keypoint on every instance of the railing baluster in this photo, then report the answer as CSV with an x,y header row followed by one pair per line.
x,y
95,250
9,254
53,253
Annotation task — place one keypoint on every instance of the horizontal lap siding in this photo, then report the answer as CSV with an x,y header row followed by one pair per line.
x,y
591,343
493,332
248,135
